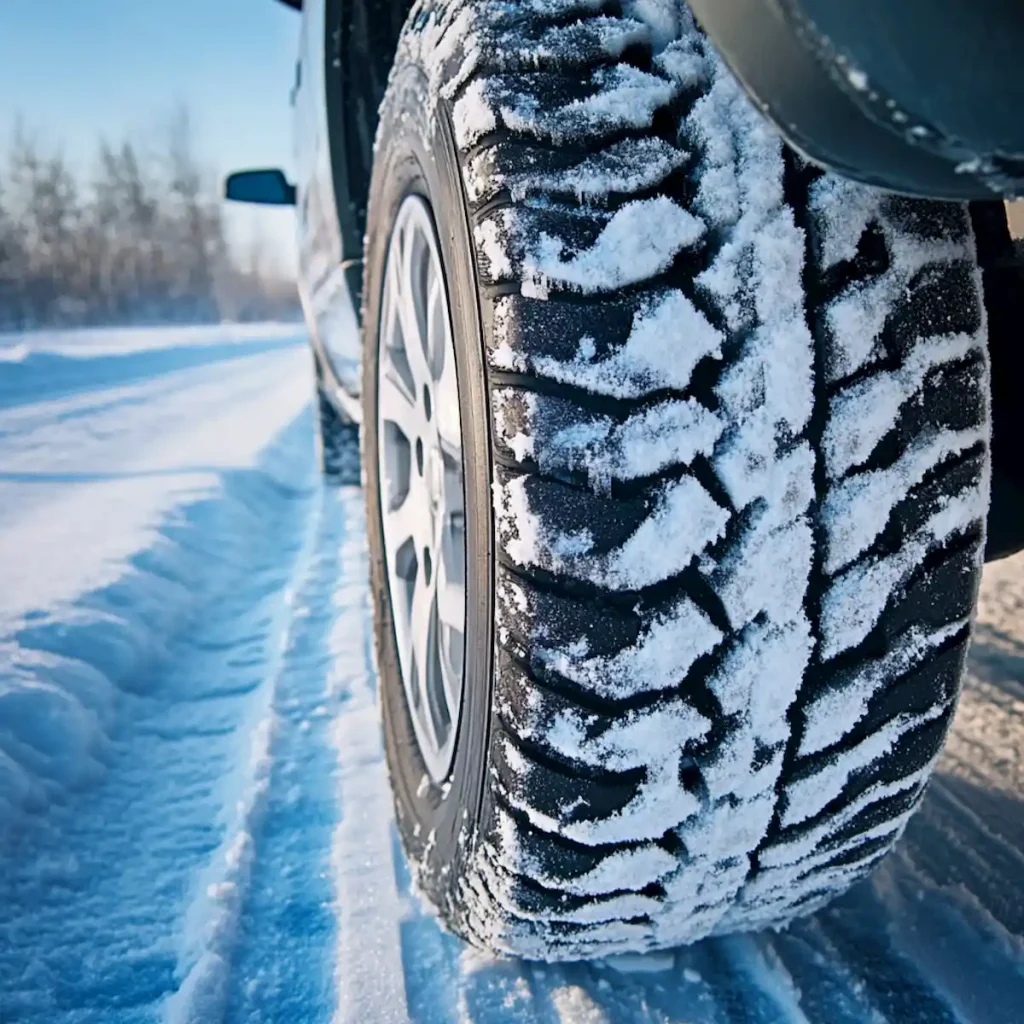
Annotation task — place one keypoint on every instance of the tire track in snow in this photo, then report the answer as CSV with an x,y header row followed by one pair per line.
x,y
318,933
369,970
215,919
304,923
93,895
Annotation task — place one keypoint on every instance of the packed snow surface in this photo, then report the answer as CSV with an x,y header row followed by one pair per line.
x,y
195,822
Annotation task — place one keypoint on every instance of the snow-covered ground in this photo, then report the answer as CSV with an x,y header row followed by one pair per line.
x,y
195,823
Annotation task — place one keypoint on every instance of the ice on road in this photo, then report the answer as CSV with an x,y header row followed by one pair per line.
x,y
195,822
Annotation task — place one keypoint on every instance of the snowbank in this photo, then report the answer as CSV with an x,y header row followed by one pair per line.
x,y
124,502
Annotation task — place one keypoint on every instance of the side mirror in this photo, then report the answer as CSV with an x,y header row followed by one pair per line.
x,y
269,187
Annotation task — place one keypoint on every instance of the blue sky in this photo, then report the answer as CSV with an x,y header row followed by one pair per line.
x,y
75,70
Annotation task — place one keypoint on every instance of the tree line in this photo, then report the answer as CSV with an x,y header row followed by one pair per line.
x,y
136,239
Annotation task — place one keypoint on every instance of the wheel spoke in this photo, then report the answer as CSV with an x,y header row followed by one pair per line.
x,y
446,389
415,340
397,406
421,632
410,519
451,600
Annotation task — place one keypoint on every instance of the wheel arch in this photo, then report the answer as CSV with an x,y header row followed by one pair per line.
x,y
360,39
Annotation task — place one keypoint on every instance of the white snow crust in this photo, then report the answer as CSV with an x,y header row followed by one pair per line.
x,y
862,414
641,240
94,574
856,599
667,340
830,716
857,509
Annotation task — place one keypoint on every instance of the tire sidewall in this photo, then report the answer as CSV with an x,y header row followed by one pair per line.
x,y
416,153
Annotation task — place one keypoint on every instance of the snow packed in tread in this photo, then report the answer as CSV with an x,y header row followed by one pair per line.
x,y
673,422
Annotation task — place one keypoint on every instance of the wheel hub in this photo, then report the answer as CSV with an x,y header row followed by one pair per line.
x,y
421,474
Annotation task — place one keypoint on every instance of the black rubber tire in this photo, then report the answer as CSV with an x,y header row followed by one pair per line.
x,y
337,439
697,698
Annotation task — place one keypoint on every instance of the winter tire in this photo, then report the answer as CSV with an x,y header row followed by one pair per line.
x,y
724,437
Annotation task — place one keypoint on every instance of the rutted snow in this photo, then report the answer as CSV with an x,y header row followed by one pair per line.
x,y
214,916
96,343
117,505
641,240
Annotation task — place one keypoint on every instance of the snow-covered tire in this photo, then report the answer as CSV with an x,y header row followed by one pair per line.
x,y
337,440
726,439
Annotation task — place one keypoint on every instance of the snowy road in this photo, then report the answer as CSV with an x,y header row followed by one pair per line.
x,y
194,816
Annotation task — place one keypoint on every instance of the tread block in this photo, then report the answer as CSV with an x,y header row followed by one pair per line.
x,y
559,794
640,344
582,870
579,109
564,437
538,618
938,594
613,173
940,300
566,522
